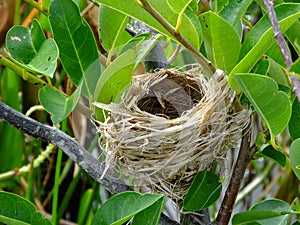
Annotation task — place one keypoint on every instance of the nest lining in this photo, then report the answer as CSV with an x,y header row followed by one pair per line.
x,y
169,126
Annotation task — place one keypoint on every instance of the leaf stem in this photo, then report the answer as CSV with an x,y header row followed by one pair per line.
x,y
37,6
25,169
208,67
269,4
21,72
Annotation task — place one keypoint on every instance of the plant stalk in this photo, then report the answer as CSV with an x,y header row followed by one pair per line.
x,y
269,4
208,67
243,159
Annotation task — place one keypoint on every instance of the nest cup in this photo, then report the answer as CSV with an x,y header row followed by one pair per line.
x,y
168,126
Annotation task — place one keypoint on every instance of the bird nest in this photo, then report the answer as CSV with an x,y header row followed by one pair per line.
x,y
168,126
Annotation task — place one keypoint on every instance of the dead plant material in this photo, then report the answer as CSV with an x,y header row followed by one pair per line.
x,y
170,125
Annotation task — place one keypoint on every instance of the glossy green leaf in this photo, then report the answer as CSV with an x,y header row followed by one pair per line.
x,y
287,14
272,105
261,67
45,61
261,38
267,212
222,43
121,207
15,210
130,8
204,191
295,68
150,215
114,80
234,11
275,155
277,73
294,123
19,44
293,34
57,104
178,5
12,150
218,5
112,28
29,49
74,37
295,157
37,34
275,54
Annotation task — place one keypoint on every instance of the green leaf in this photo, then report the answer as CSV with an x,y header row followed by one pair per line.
x,y
294,123
15,210
295,67
114,80
293,34
261,67
57,104
29,49
112,28
45,60
150,215
130,8
204,191
295,157
222,43
144,48
234,11
275,54
37,34
218,5
19,44
121,207
268,212
275,155
253,216
261,38
85,207
12,150
272,105
276,73
74,37
179,5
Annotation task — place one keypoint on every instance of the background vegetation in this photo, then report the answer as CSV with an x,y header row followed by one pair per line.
x,y
58,57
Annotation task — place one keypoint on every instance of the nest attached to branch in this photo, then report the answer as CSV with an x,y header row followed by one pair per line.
x,y
169,126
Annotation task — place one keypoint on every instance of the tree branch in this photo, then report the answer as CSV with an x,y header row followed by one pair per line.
x,y
207,65
243,159
269,4
70,147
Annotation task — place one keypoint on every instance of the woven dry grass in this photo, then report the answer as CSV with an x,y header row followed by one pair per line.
x,y
169,126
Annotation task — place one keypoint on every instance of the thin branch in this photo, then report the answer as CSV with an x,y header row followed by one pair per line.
x,y
243,159
56,137
174,55
269,4
208,67
70,147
